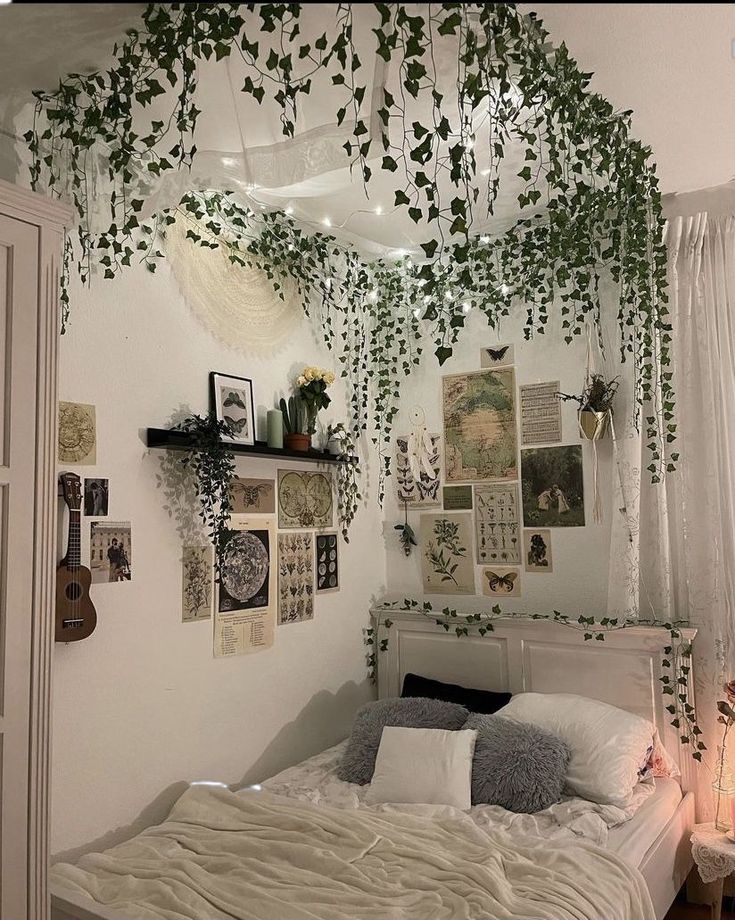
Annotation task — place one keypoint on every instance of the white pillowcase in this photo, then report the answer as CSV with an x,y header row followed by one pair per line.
x,y
608,745
427,766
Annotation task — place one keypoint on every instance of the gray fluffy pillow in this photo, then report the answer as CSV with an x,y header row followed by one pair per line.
x,y
358,761
516,765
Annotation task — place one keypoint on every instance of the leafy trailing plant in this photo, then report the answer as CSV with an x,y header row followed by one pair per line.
x,y
597,396
348,477
589,198
293,415
675,682
213,464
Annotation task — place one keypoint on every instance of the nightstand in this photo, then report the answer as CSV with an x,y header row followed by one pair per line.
x,y
714,854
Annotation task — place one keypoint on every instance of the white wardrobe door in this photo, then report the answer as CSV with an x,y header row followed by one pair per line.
x,y
19,254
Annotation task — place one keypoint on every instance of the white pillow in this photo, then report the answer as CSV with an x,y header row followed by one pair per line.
x,y
427,766
608,745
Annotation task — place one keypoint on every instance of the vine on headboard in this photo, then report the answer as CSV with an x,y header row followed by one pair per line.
x,y
676,662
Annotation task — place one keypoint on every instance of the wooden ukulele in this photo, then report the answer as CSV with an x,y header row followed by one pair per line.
x,y
76,617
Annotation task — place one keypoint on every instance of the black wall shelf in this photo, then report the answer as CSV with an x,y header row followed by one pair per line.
x,y
172,439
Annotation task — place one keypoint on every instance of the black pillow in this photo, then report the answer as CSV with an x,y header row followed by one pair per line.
x,y
484,701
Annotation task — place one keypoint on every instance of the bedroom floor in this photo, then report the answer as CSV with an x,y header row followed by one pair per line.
x,y
695,912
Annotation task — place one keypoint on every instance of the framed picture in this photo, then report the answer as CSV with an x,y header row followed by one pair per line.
x,y
232,402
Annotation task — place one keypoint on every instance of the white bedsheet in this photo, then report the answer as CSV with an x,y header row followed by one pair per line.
x,y
315,780
633,839
258,856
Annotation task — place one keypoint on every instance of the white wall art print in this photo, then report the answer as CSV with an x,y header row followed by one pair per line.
x,y
304,500
499,581
537,551
424,491
197,571
497,524
246,603
540,413
295,577
327,563
447,565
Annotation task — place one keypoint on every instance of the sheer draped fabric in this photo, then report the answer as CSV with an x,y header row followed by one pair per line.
x,y
678,559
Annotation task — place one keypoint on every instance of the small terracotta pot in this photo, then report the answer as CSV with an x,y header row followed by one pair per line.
x,y
300,442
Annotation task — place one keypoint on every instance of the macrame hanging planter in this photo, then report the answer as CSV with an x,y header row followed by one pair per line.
x,y
236,303
593,426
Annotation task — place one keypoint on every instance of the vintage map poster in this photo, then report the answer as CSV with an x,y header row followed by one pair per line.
x,y
246,605
197,569
447,565
77,433
457,498
497,524
295,577
498,581
537,551
540,413
253,496
327,563
480,440
425,491
304,500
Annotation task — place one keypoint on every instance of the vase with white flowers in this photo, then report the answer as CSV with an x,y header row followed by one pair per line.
x,y
312,386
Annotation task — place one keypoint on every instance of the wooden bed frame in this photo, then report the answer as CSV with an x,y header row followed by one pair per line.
x,y
547,657
533,655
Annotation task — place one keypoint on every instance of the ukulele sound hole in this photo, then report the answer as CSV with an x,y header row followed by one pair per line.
x,y
73,591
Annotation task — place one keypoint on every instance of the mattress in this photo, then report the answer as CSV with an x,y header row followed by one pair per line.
x,y
633,838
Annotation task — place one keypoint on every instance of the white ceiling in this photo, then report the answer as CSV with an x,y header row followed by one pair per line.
x,y
673,65
670,63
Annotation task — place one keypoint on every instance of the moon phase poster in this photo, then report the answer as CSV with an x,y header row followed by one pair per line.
x,y
246,602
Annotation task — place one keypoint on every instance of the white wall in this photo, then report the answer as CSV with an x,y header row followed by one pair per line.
x,y
142,706
579,581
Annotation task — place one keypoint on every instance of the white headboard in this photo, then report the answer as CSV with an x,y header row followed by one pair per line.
x,y
547,657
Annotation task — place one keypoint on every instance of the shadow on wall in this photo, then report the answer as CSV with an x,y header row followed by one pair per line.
x,y
325,720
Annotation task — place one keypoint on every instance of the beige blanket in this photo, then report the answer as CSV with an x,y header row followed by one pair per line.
x,y
264,857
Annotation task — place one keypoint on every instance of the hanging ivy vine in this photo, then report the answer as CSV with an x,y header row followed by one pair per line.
x,y
589,195
676,663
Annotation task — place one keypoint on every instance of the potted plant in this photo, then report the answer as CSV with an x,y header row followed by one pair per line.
x,y
295,438
595,406
312,386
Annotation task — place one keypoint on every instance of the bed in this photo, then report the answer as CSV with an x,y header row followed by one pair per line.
x,y
617,857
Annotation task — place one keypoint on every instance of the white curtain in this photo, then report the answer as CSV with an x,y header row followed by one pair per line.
x,y
677,557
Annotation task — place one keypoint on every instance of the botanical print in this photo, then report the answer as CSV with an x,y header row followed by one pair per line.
x,y
232,400
327,563
540,413
253,496
479,426
77,433
497,524
295,577
497,356
96,497
245,615
110,551
197,563
447,566
425,490
498,581
553,486
457,498
304,500
537,550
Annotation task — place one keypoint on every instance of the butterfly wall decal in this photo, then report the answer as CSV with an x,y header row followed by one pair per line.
x,y
498,355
